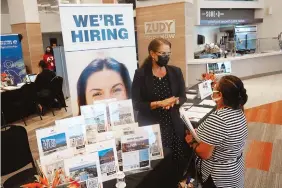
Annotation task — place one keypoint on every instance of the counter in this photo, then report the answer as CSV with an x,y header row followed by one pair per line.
x,y
246,66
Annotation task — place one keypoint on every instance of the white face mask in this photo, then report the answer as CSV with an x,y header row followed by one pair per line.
x,y
215,99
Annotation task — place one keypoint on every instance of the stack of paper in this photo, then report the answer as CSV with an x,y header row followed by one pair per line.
x,y
191,96
208,103
200,109
192,91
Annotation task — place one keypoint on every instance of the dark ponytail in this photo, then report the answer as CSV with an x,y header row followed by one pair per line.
x,y
233,92
154,46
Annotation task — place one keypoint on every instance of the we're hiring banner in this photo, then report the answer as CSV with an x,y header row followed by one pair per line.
x,y
100,51
12,62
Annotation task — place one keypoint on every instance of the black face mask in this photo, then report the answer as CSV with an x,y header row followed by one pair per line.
x,y
162,60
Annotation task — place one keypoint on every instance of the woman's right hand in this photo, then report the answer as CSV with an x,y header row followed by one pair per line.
x,y
168,103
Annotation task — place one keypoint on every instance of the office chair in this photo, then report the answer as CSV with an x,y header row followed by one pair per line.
x,y
16,154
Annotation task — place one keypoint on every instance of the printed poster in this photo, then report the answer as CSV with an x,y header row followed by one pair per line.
x,y
99,44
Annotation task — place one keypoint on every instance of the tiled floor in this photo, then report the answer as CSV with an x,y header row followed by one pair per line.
x,y
263,151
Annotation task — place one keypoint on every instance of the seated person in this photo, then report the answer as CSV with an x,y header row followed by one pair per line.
x,y
44,77
42,82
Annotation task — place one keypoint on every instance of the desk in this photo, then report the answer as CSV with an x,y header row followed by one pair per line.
x,y
196,102
8,98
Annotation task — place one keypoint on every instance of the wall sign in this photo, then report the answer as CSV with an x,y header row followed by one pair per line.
x,y
164,29
227,16
219,68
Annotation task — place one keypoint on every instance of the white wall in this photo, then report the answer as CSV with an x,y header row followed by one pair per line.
x,y
5,24
272,24
50,22
146,3
210,33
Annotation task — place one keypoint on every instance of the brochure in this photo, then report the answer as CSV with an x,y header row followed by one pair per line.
x,y
120,131
108,159
188,124
106,102
95,120
50,140
75,132
135,151
121,112
155,141
55,161
205,89
85,169
101,137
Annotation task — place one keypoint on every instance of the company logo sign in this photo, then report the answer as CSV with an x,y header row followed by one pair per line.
x,y
164,29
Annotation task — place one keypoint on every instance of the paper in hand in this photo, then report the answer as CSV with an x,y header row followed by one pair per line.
x,y
188,124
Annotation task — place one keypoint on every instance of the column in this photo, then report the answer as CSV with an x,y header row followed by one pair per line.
x,y
24,19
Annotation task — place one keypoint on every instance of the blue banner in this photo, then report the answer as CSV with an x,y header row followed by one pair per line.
x,y
12,58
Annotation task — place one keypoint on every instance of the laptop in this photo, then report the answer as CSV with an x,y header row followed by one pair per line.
x,y
30,77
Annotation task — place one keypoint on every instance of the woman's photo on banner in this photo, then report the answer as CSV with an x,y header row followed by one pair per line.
x,y
103,79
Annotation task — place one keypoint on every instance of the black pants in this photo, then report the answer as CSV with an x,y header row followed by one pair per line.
x,y
209,183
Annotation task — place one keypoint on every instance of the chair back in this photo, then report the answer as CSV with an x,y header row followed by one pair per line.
x,y
15,150
28,92
56,85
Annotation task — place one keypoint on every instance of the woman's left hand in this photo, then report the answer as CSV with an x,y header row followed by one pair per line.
x,y
189,138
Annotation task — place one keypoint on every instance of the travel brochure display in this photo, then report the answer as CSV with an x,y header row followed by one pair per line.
x,y
53,162
75,132
106,102
85,170
120,131
108,159
50,140
66,146
121,112
95,117
155,141
135,151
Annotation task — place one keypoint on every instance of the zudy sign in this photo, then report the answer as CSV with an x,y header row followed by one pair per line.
x,y
164,29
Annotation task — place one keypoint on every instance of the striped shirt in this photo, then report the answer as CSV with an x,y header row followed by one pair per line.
x,y
226,129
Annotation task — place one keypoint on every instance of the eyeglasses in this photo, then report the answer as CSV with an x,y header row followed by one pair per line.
x,y
164,53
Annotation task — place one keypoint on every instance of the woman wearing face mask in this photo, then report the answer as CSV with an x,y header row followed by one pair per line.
x,y
158,90
223,135
48,57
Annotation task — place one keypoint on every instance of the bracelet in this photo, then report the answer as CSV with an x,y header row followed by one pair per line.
x,y
196,147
